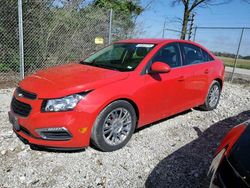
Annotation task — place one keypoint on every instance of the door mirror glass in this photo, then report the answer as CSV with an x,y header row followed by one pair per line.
x,y
159,67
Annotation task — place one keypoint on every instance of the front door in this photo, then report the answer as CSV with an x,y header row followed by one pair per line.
x,y
164,93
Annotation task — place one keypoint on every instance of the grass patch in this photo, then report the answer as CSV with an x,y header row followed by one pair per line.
x,y
241,63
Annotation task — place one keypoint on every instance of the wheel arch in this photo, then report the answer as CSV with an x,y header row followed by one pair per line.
x,y
220,81
132,103
94,139
98,110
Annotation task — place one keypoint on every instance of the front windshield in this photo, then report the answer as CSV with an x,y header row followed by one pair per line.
x,y
120,56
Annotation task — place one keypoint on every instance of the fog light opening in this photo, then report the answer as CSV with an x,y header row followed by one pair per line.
x,y
54,133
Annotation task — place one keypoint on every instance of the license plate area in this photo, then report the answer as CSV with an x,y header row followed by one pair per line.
x,y
14,121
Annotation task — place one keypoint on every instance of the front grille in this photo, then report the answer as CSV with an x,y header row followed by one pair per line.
x,y
20,108
25,94
57,135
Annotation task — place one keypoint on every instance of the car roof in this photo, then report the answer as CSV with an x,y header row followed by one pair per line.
x,y
163,41
149,40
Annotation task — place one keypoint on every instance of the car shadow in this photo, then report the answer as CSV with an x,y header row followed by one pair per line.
x,y
188,166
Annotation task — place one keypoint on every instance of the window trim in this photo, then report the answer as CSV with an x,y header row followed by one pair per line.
x,y
115,43
210,57
183,56
146,68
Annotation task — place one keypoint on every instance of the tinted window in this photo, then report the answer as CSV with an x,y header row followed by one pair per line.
x,y
120,56
192,54
169,54
206,56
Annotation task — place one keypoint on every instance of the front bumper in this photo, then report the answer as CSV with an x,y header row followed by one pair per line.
x,y
78,123
49,148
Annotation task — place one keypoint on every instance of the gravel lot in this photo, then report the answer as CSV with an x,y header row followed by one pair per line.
x,y
174,152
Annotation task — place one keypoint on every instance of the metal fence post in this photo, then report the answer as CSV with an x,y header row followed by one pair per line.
x,y
20,28
163,30
195,30
237,54
110,25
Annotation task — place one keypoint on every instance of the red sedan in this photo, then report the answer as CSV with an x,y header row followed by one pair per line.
x,y
105,97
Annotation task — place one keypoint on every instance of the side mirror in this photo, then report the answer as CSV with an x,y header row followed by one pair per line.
x,y
160,67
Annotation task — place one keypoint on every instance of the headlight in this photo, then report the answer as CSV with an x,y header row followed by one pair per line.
x,y
62,104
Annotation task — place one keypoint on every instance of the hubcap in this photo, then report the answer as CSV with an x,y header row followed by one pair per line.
x,y
117,126
213,96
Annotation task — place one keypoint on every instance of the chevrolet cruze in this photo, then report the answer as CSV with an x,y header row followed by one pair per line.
x,y
105,97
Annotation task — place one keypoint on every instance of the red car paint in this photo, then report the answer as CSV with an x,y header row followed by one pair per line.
x,y
229,140
153,98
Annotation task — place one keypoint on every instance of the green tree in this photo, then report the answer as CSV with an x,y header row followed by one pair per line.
x,y
8,35
125,14
36,22
56,31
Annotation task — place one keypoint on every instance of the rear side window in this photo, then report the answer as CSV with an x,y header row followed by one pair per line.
x,y
206,56
192,54
169,54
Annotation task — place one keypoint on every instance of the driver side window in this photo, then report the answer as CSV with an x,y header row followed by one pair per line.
x,y
114,54
169,54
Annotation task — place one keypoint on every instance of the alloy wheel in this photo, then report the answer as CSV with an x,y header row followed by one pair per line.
x,y
117,126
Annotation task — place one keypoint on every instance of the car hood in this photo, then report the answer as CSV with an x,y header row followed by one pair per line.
x,y
63,80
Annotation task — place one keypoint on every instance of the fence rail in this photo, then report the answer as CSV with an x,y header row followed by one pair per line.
x,y
40,34
211,37
47,35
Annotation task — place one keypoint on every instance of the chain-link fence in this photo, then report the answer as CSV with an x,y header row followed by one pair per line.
x,y
53,34
38,34
231,44
9,51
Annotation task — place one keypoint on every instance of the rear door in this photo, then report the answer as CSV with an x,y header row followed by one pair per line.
x,y
195,62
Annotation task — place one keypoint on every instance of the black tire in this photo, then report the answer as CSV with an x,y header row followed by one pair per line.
x,y
97,136
207,106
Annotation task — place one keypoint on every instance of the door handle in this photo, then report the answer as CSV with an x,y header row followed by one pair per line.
x,y
206,71
181,78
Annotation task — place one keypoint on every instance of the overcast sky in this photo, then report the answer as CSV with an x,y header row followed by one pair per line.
x,y
234,14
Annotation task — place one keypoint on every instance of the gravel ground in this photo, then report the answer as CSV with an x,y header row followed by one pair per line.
x,y
174,152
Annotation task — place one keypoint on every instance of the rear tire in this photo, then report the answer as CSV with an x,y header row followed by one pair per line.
x,y
114,126
213,97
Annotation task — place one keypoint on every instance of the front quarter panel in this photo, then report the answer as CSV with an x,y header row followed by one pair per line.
x,y
98,99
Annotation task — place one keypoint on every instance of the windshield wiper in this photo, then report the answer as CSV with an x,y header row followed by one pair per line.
x,y
84,62
105,66
98,65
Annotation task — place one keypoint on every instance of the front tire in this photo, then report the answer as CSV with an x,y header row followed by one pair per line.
x,y
213,97
114,126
